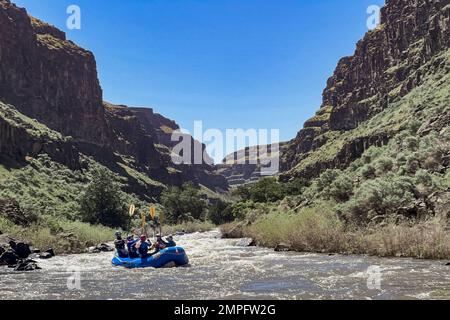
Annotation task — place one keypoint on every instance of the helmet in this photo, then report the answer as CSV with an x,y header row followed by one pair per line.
x,y
118,234
158,236
143,237
170,238
129,237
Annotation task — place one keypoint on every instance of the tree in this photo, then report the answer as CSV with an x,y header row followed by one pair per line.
x,y
242,192
266,190
296,186
220,212
183,204
102,202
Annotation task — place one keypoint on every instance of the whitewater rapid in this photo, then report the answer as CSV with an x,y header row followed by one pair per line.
x,y
221,269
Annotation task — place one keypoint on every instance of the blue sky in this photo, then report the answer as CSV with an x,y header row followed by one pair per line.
x,y
259,64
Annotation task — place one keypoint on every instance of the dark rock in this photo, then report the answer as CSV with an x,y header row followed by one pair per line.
x,y
47,254
44,255
12,244
51,252
105,248
100,248
283,247
22,250
2,250
447,264
8,258
26,265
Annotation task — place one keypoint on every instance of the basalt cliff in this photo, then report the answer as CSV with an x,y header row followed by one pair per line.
x,y
51,103
406,54
398,72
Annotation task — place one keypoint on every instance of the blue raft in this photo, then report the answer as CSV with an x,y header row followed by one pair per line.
x,y
175,255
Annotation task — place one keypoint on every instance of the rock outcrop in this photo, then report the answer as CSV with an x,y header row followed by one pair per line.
x,y
49,78
389,62
15,254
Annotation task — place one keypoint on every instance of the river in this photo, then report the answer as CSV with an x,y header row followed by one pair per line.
x,y
221,269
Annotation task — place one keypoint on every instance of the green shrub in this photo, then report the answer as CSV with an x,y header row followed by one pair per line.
x,y
220,212
368,171
183,204
379,197
326,179
295,186
341,189
383,165
103,203
266,190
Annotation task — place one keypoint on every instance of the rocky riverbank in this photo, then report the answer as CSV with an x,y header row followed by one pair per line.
x,y
20,255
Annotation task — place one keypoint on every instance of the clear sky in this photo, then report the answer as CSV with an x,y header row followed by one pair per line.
x,y
259,64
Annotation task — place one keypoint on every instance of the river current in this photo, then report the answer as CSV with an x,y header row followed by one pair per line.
x,y
223,269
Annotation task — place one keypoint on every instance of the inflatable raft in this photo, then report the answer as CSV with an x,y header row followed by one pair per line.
x,y
175,255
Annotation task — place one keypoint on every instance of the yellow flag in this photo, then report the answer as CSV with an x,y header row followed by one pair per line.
x,y
132,210
152,212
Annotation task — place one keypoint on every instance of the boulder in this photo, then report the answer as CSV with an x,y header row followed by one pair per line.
x,y
245,242
283,247
51,252
22,250
100,248
8,258
44,255
26,265
105,248
93,249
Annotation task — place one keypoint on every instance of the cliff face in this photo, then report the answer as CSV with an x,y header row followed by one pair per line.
x,y
44,76
389,62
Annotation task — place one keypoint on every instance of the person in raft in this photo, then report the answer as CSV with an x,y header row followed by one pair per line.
x,y
160,244
119,244
131,246
170,242
142,246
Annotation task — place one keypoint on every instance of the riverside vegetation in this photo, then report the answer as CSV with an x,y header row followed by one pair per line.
x,y
71,210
